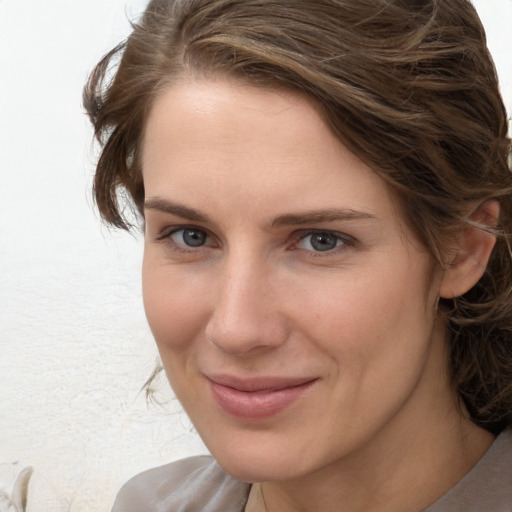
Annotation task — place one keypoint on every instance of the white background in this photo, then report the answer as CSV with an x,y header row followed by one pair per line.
x,y
74,346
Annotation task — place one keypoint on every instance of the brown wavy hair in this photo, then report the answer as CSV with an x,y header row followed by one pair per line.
x,y
408,85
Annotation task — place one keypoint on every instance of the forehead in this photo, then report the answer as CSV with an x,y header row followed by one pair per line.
x,y
228,108
211,139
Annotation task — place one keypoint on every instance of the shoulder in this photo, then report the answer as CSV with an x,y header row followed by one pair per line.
x,y
188,485
487,487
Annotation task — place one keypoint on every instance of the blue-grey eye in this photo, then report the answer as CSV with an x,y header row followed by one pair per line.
x,y
320,241
190,237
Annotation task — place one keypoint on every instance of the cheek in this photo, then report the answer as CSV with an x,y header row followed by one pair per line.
x,y
378,339
176,316
173,307
370,323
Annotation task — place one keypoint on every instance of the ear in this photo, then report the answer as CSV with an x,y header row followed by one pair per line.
x,y
472,252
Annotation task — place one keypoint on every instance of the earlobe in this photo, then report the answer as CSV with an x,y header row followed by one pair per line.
x,y
472,252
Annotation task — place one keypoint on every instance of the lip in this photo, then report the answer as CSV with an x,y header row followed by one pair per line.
x,y
257,398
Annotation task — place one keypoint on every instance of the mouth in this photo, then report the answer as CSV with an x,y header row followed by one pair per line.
x,y
257,398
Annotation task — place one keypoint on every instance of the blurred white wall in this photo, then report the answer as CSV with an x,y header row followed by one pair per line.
x,y
74,346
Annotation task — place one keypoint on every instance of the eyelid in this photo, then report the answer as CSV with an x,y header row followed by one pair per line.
x,y
170,230
166,236
347,240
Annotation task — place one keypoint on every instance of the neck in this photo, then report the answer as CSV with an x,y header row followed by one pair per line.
x,y
425,461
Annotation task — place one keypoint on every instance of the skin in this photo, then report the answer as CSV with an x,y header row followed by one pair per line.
x,y
255,174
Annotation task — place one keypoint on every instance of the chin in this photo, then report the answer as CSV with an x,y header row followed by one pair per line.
x,y
256,470
259,461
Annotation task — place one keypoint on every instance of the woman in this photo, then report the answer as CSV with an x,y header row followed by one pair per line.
x,y
326,201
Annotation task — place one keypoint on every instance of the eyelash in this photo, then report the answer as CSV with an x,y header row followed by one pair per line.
x,y
166,237
343,241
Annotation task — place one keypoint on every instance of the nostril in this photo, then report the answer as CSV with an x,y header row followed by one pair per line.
x,y
241,335
246,313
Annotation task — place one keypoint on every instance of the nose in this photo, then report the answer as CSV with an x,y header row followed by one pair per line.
x,y
247,313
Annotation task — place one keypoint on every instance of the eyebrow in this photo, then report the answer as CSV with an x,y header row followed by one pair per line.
x,y
288,219
313,217
163,205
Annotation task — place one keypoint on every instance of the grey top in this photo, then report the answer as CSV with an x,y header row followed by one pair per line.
x,y
199,484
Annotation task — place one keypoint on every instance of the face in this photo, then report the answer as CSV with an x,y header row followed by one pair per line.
x,y
292,308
